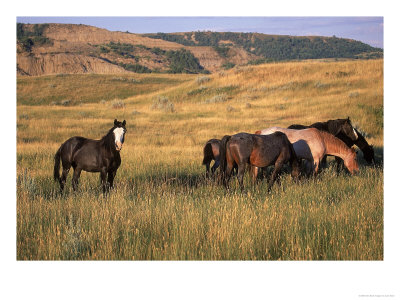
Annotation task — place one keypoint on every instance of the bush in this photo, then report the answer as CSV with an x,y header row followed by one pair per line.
x,y
202,79
162,103
118,104
217,99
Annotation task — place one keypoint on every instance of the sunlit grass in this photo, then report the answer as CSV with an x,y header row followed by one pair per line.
x,y
163,207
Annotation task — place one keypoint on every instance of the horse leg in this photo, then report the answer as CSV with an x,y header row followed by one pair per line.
x,y
207,170
241,170
339,164
110,178
228,173
254,172
215,166
75,177
323,161
103,177
316,167
63,178
277,168
295,169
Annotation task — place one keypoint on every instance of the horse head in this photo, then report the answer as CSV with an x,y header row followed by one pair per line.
x,y
119,131
369,154
351,162
348,129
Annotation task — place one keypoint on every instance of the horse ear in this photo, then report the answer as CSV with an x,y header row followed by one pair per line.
x,y
123,123
115,122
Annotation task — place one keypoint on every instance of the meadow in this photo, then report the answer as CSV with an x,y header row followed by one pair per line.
x,y
162,207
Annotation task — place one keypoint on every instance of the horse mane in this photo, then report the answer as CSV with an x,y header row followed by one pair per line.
x,y
334,144
107,139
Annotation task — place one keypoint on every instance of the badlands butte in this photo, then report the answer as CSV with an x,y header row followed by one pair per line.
x,y
45,49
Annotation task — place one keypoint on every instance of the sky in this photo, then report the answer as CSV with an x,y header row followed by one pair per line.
x,y
365,29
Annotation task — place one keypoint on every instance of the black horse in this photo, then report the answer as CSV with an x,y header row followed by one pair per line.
x,y
258,151
343,130
91,156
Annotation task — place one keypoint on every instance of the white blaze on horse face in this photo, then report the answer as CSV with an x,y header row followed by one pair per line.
x,y
119,133
355,133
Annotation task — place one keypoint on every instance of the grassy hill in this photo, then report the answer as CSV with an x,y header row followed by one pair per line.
x,y
45,49
163,207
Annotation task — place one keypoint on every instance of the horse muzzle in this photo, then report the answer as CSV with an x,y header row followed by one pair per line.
x,y
118,146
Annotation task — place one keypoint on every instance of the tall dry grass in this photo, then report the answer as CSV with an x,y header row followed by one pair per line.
x,y
163,207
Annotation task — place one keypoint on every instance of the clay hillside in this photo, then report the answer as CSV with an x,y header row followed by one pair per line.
x,y
44,49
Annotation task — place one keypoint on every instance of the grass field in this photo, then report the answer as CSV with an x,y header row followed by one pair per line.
x,y
162,207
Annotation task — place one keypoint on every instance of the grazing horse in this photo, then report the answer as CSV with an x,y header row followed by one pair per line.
x,y
258,151
335,127
312,145
211,152
343,130
91,156
361,143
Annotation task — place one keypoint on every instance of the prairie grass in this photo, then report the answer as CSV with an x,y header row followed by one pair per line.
x,y
162,207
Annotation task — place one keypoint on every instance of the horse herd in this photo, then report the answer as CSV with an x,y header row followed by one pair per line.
x,y
272,146
278,146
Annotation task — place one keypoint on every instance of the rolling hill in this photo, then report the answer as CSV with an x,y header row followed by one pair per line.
x,y
44,49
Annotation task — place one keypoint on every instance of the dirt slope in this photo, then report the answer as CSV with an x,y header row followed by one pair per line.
x,y
73,50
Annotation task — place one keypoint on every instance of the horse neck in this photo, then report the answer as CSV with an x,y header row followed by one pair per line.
x,y
108,141
361,142
334,146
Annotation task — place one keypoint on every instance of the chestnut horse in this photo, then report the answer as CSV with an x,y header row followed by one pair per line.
x,y
91,156
312,145
257,151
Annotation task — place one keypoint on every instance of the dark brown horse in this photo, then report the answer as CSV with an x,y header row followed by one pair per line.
x,y
91,156
259,151
211,151
334,127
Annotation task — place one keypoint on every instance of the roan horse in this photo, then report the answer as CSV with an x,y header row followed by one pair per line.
x,y
91,156
258,151
343,130
312,145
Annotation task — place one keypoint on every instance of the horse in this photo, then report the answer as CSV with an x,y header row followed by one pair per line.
x,y
341,129
257,151
312,145
91,156
334,127
211,151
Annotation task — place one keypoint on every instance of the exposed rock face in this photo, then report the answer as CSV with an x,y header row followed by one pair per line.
x,y
73,50
64,63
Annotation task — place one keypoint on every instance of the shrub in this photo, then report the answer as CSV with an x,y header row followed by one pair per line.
x,y
217,99
118,104
202,79
66,102
162,103
230,108
228,65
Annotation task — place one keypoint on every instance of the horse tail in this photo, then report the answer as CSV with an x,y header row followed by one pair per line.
x,y
207,153
294,161
57,159
222,155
